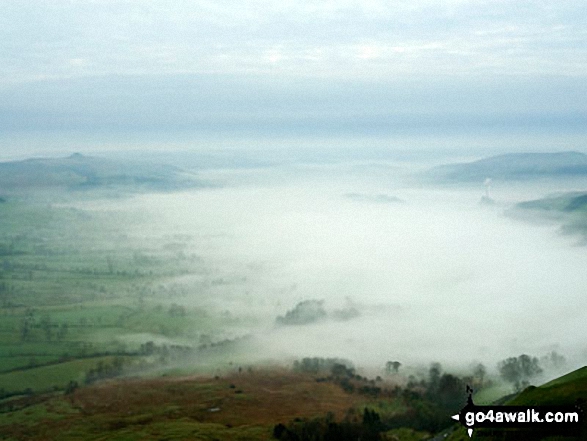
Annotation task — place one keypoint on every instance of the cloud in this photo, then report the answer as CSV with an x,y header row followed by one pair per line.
x,y
269,106
293,69
231,37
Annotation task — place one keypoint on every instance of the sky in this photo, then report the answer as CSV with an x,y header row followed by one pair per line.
x,y
166,73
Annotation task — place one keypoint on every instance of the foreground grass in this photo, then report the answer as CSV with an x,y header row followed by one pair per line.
x,y
238,407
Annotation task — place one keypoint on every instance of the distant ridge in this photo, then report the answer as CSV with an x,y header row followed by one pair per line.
x,y
571,202
513,166
78,171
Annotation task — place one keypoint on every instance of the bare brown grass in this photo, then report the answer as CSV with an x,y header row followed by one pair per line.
x,y
145,407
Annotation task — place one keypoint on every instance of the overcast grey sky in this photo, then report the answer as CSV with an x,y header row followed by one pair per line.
x,y
292,68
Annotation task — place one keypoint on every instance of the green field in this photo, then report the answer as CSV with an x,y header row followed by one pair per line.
x,y
77,288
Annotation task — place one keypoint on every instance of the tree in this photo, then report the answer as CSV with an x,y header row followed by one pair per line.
x,y
279,430
4,291
177,310
27,323
47,327
553,360
434,377
392,367
451,392
148,348
479,372
371,418
519,371
62,332
340,370
306,312
71,387
25,329
110,265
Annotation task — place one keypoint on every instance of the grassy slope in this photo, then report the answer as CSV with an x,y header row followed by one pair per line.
x,y
563,390
239,407
579,375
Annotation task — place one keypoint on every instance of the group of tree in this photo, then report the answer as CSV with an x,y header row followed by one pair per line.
x,y
519,370
392,367
5,292
164,353
308,311
445,390
105,370
326,429
429,401
317,365
27,324
49,329
177,310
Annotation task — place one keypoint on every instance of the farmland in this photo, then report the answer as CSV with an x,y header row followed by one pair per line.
x,y
77,292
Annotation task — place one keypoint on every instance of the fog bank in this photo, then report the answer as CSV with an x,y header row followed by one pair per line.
x,y
433,274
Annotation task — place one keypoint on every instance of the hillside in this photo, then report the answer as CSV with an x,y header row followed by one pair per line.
x,y
512,166
579,375
237,406
565,203
560,391
86,172
567,209
248,405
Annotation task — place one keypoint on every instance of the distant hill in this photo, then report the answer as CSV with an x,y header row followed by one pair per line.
x,y
513,166
85,172
567,209
566,203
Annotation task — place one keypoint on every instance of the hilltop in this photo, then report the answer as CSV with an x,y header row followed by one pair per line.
x,y
89,172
